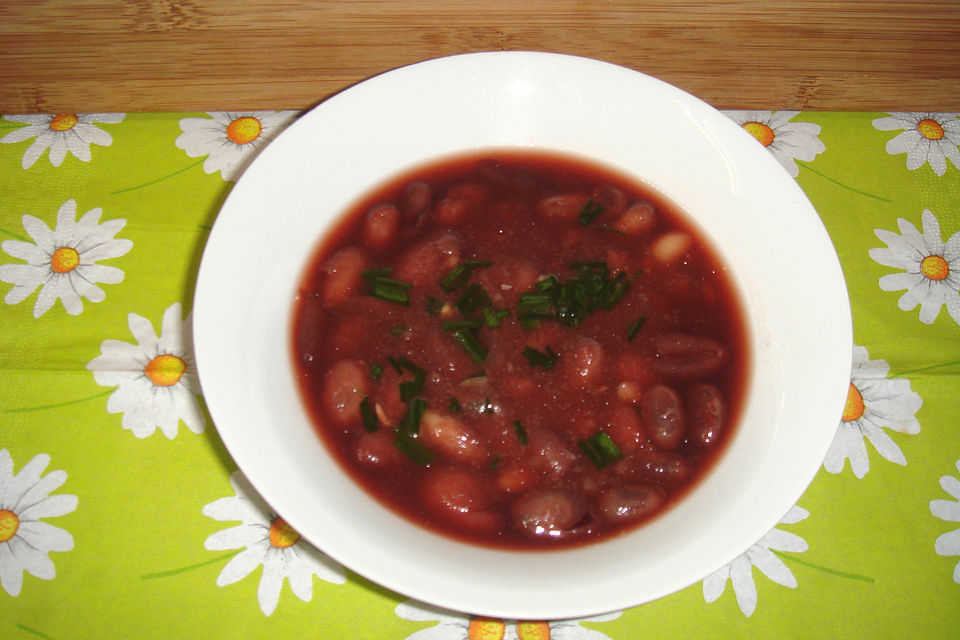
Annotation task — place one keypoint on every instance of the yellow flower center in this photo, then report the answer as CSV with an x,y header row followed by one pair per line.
x,y
63,121
853,409
930,129
282,535
533,631
244,130
9,523
165,370
935,268
64,260
760,131
485,629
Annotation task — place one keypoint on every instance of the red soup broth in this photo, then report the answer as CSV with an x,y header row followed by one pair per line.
x,y
520,349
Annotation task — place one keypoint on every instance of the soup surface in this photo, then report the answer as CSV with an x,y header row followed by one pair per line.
x,y
520,349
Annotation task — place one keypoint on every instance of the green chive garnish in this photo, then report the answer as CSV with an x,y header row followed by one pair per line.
x,y
413,449
538,359
487,406
456,325
589,211
410,422
473,298
520,431
493,317
600,449
376,370
634,327
385,288
434,305
410,388
397,330
368,415
461,273
471,344
612,230
455,405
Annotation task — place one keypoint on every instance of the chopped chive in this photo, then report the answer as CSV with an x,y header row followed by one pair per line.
x,y
538,359
494,461
368,415
461,273
548,284
487,406
600,449
534,302
455,405
390,295
589,211
403,363
456,325
473,298
410,422
434,305
379,272
413,449
397,330
634,327
468,340
528,322
520,431
410,388
612,230
376,370
493,317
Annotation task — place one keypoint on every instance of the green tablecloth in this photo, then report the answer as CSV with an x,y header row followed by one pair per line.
x,y
122,516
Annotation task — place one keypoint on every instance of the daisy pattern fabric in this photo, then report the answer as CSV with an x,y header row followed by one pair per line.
x,y
230,140
26,539
62,134
156,378
266,540
63,262
122,514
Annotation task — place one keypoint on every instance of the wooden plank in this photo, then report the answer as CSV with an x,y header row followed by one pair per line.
x,y
162,55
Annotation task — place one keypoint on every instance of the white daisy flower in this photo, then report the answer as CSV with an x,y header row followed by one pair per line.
x,y
25,541
787,141
230,140
874,402
156,378
761,556
63,262
926,137
948,544
460,626
266,539
931,266
61,133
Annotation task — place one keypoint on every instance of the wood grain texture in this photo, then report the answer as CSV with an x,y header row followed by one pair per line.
x,y
166,55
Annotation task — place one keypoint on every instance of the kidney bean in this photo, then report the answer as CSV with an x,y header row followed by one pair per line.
x,y
663,416
638,220
345,385
583,365
624,428
705,414
450,438
380,226
342,275
428,261
513,478
548,454
564,206
459,496
543,515
415,201
662,467
612,199
377,450
633,366
670,247
629,503
629,391
685,357
451,212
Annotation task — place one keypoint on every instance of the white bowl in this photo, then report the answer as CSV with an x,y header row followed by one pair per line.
x,y
764,228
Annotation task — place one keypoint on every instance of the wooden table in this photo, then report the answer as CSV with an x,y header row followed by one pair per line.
x,y
167,55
